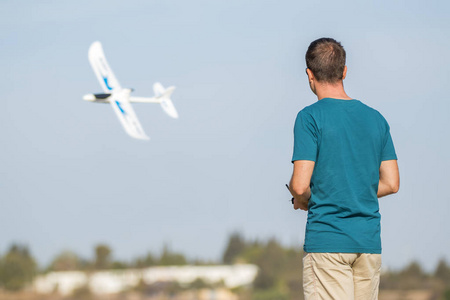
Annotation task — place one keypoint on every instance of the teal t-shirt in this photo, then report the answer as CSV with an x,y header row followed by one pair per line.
x,y
347,140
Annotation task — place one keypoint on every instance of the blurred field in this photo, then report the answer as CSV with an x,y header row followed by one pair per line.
x,y
205,295
407,295
276,274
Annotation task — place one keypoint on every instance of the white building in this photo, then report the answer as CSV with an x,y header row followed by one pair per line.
x,y
115,281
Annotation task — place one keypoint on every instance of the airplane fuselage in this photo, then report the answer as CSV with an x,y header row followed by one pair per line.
x,y
105,97
98,98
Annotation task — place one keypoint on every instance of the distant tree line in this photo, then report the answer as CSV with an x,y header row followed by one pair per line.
x,y
413,277
279,276
18,267
103,260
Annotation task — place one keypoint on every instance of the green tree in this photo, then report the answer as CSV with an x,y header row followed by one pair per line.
x,y
119,265
413,270
271,264
446,295
252,252
17,268
102,257
412,277
442,272
146,261
235,247
65,261
292,272
169,258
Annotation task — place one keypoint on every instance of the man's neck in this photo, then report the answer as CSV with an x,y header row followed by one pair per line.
x,y
328,90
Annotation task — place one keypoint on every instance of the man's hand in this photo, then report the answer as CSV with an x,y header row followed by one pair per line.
x,y
302,204
300,181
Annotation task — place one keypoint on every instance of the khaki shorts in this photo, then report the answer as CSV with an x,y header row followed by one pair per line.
x,y
341,276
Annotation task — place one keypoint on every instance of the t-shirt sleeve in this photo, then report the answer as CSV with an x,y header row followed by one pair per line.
x,y
305,137
388,152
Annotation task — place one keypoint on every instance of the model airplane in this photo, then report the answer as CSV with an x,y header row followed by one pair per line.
x,y
120,98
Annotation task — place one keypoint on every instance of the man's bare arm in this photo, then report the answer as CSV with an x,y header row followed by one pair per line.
x,y
389,178
300,181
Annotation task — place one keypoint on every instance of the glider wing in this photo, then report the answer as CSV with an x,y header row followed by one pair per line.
x,y
101,68
127,116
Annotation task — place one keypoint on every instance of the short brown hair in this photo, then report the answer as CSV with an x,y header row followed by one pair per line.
x,y
326,60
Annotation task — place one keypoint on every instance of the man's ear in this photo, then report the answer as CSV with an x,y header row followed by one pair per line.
x,y
312,81
345,73
310,75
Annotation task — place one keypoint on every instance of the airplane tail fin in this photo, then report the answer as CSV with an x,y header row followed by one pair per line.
x,y
166,103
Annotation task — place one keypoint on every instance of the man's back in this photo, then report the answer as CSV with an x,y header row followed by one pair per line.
x,y
344,160
347,140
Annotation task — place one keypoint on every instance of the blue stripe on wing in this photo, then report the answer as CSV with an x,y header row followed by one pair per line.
x,y
120,107
105,79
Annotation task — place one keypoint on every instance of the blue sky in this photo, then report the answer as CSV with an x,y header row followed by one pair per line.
x,y
71,177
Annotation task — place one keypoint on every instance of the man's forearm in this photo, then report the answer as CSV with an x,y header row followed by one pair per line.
x,y
300,183
389,182
304,196
385,189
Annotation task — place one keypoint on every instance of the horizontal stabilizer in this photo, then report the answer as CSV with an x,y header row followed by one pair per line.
x,y
169,108
164,95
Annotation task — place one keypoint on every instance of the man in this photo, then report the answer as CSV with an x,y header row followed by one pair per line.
x,y
344,160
